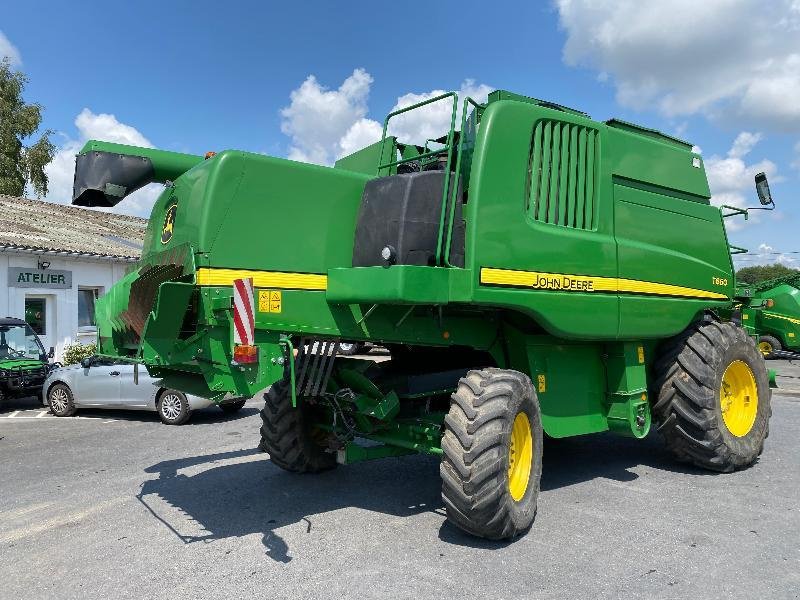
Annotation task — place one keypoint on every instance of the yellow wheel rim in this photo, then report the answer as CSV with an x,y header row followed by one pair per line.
x,y
765,347
738,398
520,456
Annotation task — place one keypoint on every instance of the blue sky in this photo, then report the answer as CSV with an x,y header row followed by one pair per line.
x,y
197,76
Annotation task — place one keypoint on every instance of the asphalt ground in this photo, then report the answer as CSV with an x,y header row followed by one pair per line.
x,y
116,505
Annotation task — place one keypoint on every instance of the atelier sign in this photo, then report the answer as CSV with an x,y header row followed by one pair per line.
x,y
38,278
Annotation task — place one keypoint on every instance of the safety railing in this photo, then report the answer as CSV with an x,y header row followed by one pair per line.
x,y
450,189
446,148
451,210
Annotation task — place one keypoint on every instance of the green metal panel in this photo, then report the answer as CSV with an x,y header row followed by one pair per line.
x,y
783,319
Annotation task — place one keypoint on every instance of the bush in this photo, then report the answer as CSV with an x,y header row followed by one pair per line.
x,y
759,273
75,353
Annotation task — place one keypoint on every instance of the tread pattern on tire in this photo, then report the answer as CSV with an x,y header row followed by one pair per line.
x,y
686,395
474,461
285,436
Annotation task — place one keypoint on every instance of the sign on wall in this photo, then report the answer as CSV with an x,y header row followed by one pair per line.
x,y
39,278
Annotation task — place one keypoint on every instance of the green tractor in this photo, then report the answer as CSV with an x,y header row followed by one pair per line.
x,y
24,365
532,273
777,323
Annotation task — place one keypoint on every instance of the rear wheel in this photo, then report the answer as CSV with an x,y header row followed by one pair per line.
x,y
768,346
288,435
173,407
492,454
59,397
712,397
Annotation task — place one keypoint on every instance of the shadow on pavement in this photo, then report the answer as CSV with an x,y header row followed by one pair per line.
x,y
255,496
234,500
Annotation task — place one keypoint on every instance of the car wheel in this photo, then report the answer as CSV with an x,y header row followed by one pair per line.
x,y
59,397
173,407
233,407
350,348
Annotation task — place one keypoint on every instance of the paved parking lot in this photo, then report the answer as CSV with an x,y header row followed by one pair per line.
x,y
116,505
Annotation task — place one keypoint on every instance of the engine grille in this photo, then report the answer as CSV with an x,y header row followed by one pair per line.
x,y
562,174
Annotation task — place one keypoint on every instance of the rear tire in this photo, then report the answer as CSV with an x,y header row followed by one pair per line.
x,y
769,345
233,407
492,454
712,397
173,407
287,435
60,400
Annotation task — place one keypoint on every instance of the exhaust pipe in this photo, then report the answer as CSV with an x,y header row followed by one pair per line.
x,y
105,173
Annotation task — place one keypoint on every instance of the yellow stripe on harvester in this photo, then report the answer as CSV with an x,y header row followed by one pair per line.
x,y
263,279
775,316
583,283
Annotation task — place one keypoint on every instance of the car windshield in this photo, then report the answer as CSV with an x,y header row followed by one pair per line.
x,y
19,341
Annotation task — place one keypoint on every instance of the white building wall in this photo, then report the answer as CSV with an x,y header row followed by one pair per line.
x,y
62,304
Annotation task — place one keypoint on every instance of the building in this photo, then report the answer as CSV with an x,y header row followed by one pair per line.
x,y
56,260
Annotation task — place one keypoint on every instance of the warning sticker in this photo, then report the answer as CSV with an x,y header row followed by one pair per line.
x,y
269,301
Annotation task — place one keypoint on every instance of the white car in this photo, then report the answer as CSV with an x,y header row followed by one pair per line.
x,y
99,382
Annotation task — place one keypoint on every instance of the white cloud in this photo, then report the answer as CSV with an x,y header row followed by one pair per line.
x,y
326,124
317,119
431,121
735,59
766,255
731,178
102,127
9,51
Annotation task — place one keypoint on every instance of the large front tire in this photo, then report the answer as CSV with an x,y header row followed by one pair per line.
x,y
288,436
492,454
712,397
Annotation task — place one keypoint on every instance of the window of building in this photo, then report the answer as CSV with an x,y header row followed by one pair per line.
x,y
87,297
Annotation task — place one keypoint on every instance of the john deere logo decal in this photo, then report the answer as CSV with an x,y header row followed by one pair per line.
x,y
169,224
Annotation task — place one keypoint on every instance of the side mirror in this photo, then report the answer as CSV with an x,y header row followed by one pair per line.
x,y
86,363
762,189
52,352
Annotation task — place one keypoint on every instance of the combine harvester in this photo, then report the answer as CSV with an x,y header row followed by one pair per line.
x,y
778,325
532,272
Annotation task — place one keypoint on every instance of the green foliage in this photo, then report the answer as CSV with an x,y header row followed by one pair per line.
x,y
21,164
759,273
75,353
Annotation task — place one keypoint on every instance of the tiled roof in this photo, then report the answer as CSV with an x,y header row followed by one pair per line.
x,y
39,225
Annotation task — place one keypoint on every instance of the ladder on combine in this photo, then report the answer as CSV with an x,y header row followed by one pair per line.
x,y
452,150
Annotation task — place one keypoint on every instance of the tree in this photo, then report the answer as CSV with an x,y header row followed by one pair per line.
x,y
759,273
21,164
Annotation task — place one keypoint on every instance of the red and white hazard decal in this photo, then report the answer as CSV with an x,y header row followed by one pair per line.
x,y
243,312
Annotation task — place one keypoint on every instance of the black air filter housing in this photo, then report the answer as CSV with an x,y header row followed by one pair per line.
x,y
402,211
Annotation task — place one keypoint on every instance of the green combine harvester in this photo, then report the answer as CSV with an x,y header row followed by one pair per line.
x,y
532,272
778,324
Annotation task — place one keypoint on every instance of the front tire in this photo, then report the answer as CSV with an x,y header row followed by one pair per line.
x,y
60,400
173,407
492,454
712,397
769,345
288,436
